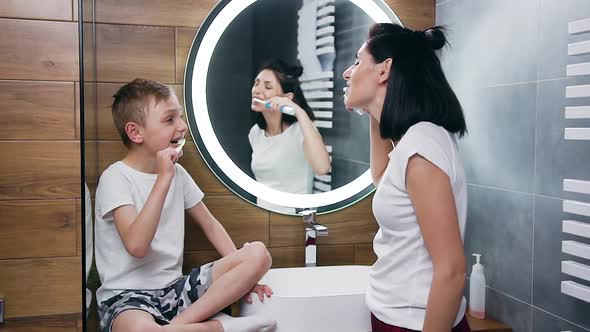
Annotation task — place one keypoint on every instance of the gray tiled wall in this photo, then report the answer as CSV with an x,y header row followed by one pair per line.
x,y
507,63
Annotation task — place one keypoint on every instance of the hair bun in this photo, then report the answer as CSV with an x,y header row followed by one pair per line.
x,y
294,71
435,37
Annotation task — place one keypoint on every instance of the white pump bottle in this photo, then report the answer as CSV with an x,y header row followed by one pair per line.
x,y
477,290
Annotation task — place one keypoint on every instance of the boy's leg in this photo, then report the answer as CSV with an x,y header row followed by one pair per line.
x,y
233,276
141,321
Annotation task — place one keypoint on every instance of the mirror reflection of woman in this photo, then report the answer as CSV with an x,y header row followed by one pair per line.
x,y
420,203
286,149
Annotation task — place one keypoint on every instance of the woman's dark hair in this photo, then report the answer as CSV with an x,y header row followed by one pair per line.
x,y
417,89
288,77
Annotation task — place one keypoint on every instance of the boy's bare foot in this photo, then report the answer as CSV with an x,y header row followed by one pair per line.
x,y
245,324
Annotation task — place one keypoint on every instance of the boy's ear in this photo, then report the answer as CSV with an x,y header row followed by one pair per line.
x,y
134,132
384,70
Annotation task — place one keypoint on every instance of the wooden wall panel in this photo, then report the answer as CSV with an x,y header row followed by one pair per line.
x,y
184,40
126,52
57,323
34,9
45,228
196,167
327,255
188,13
414,14
364,254
29,106
40,170
243,222
106,130
354,224
38,50
38,287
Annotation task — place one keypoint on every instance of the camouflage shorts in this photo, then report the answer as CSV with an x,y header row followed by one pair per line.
x,y
162,304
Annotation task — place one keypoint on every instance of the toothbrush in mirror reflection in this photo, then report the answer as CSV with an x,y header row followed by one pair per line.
x,y
284,109
180,145
356,110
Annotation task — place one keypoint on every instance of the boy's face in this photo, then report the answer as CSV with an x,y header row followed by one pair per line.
x,y
164,125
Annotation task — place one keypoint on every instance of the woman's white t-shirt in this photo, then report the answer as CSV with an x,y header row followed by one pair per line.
x,y
401,277
279,163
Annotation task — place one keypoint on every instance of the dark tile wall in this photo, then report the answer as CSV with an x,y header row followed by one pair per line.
x,y
507,63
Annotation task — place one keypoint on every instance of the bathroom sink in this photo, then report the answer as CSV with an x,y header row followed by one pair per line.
x,y
330,298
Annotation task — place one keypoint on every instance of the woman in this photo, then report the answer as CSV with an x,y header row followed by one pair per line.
x,y
421,199
286,149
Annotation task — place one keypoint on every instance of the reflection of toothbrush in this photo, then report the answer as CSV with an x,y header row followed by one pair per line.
x,y
357,110
180,145
284,109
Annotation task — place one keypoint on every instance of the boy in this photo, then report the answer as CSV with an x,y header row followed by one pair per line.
x,y
140,203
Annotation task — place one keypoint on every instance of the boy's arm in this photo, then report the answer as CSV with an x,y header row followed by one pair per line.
x,y
138,230
213,230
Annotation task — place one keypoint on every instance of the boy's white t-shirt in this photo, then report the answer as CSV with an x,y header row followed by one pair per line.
x,y
279,161
401,278
121,185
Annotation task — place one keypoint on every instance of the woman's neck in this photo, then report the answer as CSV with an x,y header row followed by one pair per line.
x,y
274,125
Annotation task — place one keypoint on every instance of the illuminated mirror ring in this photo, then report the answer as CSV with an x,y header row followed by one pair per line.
x,y
195,98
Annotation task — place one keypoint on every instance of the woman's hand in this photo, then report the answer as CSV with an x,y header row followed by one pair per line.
x,y
261,290
277,102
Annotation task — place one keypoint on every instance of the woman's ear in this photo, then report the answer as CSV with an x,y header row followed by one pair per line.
x,y
290,95
385,70
134,132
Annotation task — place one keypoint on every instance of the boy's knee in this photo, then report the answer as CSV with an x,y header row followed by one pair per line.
x,y
259,253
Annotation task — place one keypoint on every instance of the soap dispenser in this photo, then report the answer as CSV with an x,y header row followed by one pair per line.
x,y
477,290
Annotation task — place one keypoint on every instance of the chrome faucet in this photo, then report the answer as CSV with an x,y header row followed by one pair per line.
x,y
312,231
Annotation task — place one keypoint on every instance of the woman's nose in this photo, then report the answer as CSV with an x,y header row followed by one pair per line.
x,y
346,74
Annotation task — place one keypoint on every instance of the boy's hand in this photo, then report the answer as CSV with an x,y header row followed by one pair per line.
x,y
261,290
165,160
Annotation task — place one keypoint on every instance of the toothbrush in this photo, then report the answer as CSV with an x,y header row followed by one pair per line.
x,y
181,143
284,109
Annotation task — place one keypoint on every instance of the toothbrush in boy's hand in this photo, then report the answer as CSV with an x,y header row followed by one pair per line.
x,y
284,109
180,145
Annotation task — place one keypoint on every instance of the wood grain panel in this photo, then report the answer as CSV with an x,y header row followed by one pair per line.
x,y
354,224
39,170
125,52
184,39
196,167
46,105
38,287
91,165
189,13
327,255
106,129
108,153
35,9
242,221
287,256
194,259
414,14
56,323
38,228
90,121
38,50
364,254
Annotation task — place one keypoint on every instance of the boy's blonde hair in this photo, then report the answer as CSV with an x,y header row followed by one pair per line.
x,y
131,103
